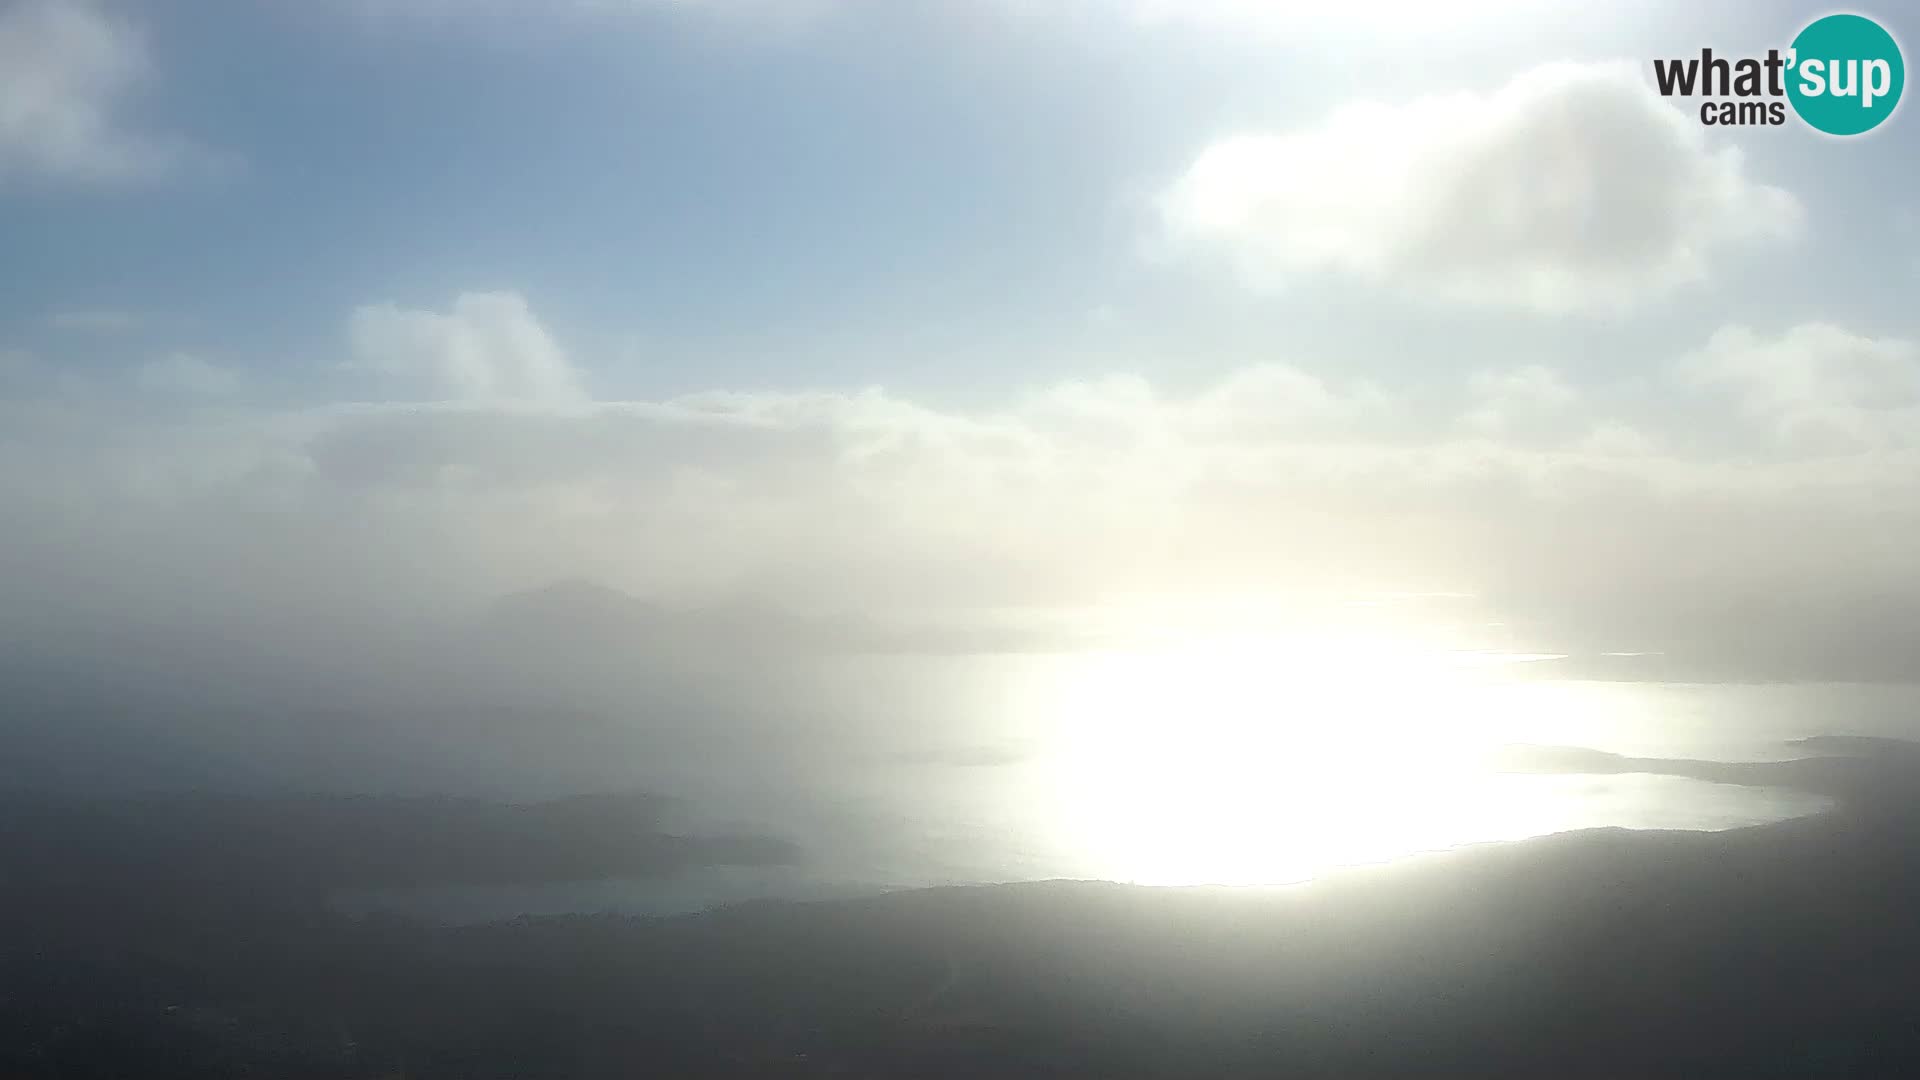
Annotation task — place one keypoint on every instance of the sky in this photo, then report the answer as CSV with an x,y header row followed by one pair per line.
x,y
370,309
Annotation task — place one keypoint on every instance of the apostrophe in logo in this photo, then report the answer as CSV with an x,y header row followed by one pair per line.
x,y
1842,75
1847,74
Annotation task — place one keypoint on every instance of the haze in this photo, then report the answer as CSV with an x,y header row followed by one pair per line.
x,y
801,450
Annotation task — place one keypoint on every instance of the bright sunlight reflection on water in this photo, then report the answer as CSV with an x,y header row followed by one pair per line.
x,y
1209,759
1243,761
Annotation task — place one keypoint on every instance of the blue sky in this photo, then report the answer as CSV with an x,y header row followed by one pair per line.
x,y
908,301
701,193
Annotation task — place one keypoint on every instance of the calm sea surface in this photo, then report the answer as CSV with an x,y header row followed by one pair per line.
x,y
1168,768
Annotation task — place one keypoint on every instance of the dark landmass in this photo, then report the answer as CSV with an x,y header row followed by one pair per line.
x,y
1786,950
1869,775
319,843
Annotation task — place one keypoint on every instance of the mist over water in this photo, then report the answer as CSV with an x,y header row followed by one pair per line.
x,y
1403,504
1238,747
1109,766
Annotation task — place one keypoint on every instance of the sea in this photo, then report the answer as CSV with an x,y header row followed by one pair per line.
x,y
1209,766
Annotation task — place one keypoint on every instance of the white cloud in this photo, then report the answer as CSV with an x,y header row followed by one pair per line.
x,y
1816,386
1571,188
65,69
1266,402
488,347
1505,402
1614,440
1532,386
186,374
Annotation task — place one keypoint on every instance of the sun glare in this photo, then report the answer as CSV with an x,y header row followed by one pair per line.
x,y
1256,760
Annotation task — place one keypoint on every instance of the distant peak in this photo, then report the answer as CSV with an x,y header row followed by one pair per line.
x,y
571,599
575,586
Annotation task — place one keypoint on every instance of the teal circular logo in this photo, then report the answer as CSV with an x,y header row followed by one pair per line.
x,y
1846,74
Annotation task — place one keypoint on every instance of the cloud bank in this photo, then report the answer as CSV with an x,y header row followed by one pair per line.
x,y
1521,485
